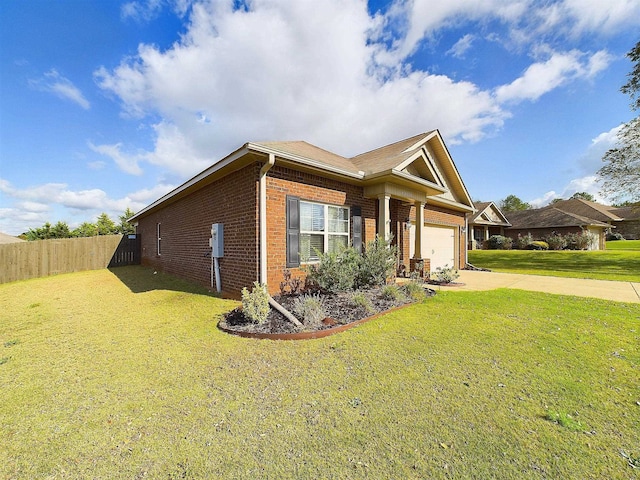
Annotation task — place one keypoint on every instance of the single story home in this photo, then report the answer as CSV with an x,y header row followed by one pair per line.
x,y
542,222
488,220
625,220
280,202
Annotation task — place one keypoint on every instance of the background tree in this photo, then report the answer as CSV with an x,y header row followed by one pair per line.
x,y
86,229
513,204
584,196
105,226
46,232
620,176
125,227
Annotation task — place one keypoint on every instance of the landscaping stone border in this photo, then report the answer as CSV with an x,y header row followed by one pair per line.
x,y
308,335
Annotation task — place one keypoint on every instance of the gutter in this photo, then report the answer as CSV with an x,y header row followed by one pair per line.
x,y
263,216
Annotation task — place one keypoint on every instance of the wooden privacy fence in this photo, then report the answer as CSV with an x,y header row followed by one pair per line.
x,y
24,260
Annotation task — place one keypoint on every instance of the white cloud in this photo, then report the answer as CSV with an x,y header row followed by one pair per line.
x,y
60,86
462,46
591,160
126,162
269,73
542,77
35,205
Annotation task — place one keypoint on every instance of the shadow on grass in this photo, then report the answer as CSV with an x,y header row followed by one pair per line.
x,y
143,279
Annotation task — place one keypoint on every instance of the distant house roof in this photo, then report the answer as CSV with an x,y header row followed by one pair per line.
x,y
4,239
488,213
626,213
549,217
585,208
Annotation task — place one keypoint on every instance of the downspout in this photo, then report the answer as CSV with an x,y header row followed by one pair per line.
x,y
263,216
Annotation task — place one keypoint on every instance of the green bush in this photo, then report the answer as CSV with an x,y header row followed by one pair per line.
x,y
414,291
255,304
359,299
336,271
392,292
378,263
556,241
580,241
499,242
522,242
310,308
445,274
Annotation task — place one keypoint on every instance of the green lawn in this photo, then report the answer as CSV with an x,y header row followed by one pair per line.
x,y
624,245
622,265
123,374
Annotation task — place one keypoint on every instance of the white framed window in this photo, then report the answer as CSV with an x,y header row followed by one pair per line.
x,y
158,239
323,228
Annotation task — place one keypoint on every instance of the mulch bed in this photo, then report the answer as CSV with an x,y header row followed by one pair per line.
x,y
339,307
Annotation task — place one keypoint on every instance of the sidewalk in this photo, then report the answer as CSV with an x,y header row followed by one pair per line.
x,y
607,290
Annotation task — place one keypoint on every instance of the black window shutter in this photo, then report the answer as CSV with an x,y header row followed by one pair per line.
x,y
293,232
356,228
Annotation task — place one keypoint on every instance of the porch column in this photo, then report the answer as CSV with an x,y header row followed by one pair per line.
x,y
384,216
417,250
486,232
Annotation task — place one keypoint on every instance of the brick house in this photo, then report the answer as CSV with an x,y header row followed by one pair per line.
x,y
487,220
280,201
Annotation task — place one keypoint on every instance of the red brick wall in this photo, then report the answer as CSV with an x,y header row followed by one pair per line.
x,y
284,181
186,228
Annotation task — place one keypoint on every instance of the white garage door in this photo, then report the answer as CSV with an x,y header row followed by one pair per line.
x,y
438,244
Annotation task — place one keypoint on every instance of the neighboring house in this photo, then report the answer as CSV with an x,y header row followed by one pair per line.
x,y
280,201
542,222
628,224
624,220
488,220
4,239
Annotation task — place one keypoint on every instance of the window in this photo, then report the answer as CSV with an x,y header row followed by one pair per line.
x,y
323,228
158,238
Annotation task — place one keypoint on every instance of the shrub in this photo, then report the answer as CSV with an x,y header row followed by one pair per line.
x,y
580,241
310,308
417,274
613,236
522,242
290,285
359,299
336,271
538,245
555,241
377,264
499,242
445,274
414,291
392,292
255,304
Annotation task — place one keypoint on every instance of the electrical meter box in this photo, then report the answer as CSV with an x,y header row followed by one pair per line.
x,y
216,242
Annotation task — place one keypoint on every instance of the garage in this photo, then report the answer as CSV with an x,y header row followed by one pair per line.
x,y
438,244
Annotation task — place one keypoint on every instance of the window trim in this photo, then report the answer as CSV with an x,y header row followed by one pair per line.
x,y
158,239
325,233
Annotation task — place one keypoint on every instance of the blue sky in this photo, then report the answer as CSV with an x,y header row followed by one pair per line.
x,y
106,105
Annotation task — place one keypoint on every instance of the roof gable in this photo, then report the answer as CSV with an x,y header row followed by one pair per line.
x,y
488,213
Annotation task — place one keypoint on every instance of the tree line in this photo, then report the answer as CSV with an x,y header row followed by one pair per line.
x,y
104,225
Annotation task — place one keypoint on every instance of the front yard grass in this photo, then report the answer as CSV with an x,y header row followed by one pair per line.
x,y
123,374
621,265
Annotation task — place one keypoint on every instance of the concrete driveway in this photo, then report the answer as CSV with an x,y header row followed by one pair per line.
x,y
607,290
